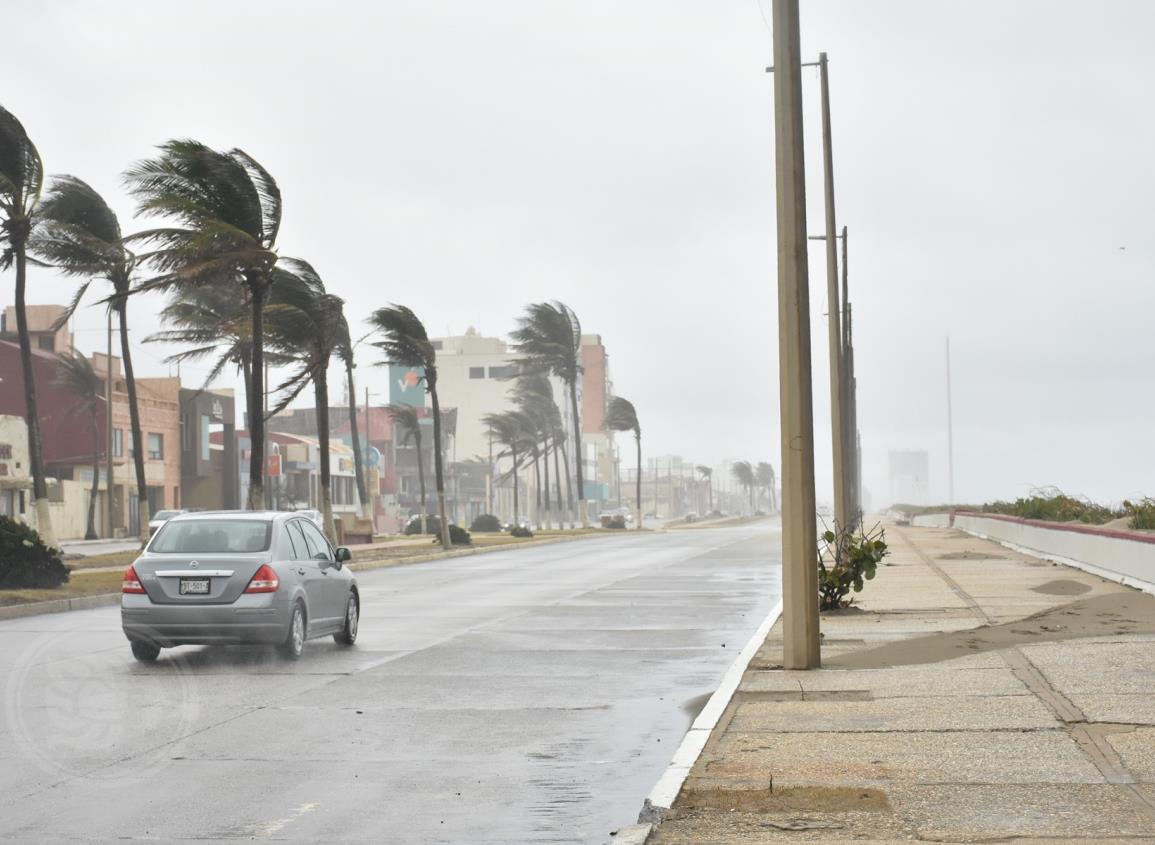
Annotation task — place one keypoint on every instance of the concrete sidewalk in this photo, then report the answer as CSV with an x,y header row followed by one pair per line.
x,y
971,694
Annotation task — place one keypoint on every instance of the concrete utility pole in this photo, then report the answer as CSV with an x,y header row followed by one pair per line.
x,y
850,455
837,389
949,431
799,526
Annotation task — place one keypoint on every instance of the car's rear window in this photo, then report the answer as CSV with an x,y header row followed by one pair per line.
x,y
165,514
201,536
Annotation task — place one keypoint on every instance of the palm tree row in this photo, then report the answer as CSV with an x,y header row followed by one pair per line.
x,y
757,479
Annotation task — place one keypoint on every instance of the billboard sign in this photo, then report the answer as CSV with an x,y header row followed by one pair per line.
x,y
273,466
407,385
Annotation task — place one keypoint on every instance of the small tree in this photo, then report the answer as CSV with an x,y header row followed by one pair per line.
x,y
407,425
75,374
622,416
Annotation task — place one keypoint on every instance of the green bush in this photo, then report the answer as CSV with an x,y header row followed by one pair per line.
x,y
616,521
486,523
1142,513
520,531
458,536
25,562
1055,506
432,525
853,560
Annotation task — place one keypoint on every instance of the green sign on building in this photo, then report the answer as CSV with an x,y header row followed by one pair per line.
x,y
407,385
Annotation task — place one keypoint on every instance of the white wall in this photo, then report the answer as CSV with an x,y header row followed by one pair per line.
x,y
1124,557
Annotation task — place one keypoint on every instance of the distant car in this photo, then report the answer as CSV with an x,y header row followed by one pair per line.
x,y
234,577
160,518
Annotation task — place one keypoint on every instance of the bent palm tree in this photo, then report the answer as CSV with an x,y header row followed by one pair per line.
x,y
548,339
210,320
622,416
77,233
227,211
304,324
408,425
21,177
509,430
707,474
533,396
764,473
75,374
345,352
744,474
405,341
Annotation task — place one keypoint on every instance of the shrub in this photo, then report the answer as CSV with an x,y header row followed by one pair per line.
x,y
853,560
1142,513
432,525
615,521
485,523
24,559
1055,506
520,531
458,536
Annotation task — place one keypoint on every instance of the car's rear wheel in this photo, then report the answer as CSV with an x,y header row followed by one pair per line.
x,y
145,652
348,634
294,642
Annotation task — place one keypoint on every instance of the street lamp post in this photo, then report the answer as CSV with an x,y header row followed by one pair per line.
x,y
799,527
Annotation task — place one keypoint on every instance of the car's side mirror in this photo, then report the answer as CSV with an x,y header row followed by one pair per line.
x,y
343,554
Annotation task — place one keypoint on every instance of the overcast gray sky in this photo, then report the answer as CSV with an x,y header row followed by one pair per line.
x,y
465,158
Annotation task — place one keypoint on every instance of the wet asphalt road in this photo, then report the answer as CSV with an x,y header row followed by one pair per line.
x,y
513,697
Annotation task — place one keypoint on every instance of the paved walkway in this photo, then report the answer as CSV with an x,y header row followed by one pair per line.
x,y
972,694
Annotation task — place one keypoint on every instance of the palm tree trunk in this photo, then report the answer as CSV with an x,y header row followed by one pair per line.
x,y
577,440
513,472
259,292
420,474
638,438
537,485
545,463
321,397
431,381
557,446
568,484
31,415
90,530
358,463
134,422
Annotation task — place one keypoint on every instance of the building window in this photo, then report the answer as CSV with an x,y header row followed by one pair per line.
x,y
204,434
477,372
437,344
155,446
46,341
503,372
118,443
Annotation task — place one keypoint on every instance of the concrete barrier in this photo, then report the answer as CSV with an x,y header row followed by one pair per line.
x,y
1127,557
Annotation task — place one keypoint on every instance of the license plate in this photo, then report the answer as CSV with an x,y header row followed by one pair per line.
x,y
194,586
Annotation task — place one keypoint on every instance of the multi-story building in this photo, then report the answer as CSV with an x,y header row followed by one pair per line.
x,y
598,468
909,477
41,328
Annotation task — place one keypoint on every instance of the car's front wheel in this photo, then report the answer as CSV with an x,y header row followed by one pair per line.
x,y
294,642
348,634
145,652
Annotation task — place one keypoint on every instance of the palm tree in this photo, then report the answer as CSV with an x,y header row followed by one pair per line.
x,y
405,341
744,474
211,320
766,478
75,374
509,429
21,177
622,416
548,338
345,348
408,427
77,233
304,323
533,396
707,474
226,211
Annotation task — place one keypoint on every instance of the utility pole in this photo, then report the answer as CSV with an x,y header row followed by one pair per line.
x,y
108,414
851,454
837,389
949,431
799,526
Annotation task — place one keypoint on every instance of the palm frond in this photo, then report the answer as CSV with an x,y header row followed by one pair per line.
x,y
21,170
622,416
403,337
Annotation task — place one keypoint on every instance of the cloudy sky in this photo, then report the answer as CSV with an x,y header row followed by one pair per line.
x,y
993,165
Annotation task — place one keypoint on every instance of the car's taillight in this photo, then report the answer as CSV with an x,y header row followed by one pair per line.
x,y
264,581
131,583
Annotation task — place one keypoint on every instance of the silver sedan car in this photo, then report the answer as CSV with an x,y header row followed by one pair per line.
x,y
233,577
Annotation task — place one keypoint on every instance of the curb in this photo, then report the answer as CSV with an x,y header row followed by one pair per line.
x,y
662,796
634,834
20,611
